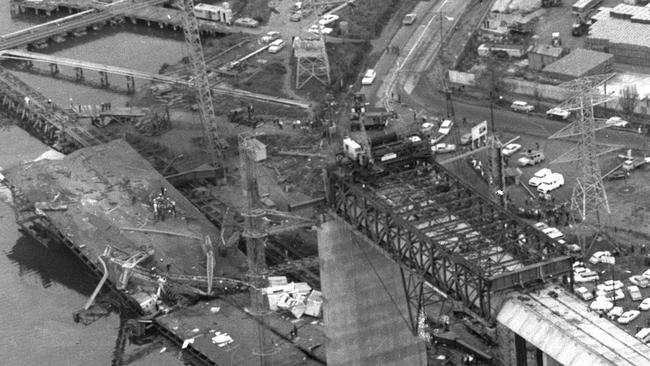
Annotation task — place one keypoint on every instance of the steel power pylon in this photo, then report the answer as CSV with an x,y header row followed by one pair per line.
x,y
200,82
589,198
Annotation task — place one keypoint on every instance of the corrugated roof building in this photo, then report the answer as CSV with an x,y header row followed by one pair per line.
x,y
580,63
543,55
623,31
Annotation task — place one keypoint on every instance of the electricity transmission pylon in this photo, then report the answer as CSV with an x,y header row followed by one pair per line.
x,y
589,198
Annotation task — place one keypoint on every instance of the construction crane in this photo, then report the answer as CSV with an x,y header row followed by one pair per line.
x,y
201,84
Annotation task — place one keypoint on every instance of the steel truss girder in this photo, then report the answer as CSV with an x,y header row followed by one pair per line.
x,y
448,271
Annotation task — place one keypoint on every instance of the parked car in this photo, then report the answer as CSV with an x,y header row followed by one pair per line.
x,y
553,232
247,22
409,19
645,304
319,29
598,256
643,335
610,295
616,122
553,182
640,281
443,148
584,293
635,293
270,36
368,77
601,305
520,106
465,138
618,174
628,316
615,312
542,226
328,19
536,179
646,274
510,149
445,127
276,46
586,276
610,285
558,113
531,157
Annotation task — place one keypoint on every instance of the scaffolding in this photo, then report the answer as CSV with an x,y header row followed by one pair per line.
x,y
311,60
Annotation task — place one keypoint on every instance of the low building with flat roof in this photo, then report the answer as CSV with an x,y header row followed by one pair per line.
x,y
623,31
580,63
543,55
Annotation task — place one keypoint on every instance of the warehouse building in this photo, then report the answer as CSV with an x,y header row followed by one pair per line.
x,y
623,31
580,63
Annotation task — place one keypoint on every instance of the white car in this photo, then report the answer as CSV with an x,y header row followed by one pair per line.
x,y
409,19
368,77
610,285
601,305
319,29
538,176
610,296
270,36
646,274
645,304
584,293
585,276
635,293
541,226
328,19
616,122
615,312
558,113
445,127
640,281
427,127
510,149
550,183
598,256
553,232
443,148
628,316
519,106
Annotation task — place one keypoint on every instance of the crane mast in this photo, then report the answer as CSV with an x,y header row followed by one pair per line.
x,y
200,82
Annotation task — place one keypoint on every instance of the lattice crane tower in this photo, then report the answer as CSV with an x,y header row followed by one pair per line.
x,y
200,82
589,197
311,60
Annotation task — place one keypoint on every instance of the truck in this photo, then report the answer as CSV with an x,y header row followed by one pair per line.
x,y
374,118
583,8
503,50
387,152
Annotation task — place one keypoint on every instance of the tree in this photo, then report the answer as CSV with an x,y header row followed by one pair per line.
x,y
492,80
628,100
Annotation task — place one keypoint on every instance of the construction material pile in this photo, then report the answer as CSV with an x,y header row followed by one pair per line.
x,y
296,297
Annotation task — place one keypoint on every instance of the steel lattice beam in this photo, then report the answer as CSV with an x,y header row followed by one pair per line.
x,y
446,234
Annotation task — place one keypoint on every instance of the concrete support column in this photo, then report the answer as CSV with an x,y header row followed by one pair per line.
x,y
78,73
54,69
539,357
520,351
103,81
130,84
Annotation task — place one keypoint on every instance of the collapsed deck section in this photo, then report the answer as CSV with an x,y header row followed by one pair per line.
x,y
96,195
447,233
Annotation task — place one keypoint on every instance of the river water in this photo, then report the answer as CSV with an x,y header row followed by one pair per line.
x,y
41,286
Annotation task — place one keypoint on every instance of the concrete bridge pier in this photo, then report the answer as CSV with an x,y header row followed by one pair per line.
x,y
54,69
14,9
103,81
130,84
78,73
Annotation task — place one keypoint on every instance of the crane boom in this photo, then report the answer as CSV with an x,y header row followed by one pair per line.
x,y
200,82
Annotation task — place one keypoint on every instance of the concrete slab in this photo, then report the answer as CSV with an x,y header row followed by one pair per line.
x,y
365,313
